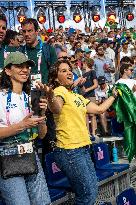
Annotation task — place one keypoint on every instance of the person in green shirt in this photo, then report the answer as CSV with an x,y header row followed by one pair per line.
x,y
3,28
43,54
11,42
8,41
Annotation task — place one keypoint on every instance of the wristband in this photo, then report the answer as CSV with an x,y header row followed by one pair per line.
x,y
114,95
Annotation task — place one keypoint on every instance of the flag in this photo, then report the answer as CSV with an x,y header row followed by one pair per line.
x,y
125,107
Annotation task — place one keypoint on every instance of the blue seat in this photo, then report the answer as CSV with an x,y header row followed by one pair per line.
x,y
56,194
103,174
54,176
102,159
117,129
106,203
127,197
2,202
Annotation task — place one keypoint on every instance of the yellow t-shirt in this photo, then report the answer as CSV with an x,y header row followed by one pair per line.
x,y
71,129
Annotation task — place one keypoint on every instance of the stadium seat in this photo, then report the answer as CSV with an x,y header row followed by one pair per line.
x,y
127,197
54,176
103,174
102,159
2,202
117,129
56,194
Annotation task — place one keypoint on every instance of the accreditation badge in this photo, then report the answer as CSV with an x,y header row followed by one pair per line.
x,y
34,79
25,148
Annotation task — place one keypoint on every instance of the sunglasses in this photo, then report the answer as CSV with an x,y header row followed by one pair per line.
x,y
64,58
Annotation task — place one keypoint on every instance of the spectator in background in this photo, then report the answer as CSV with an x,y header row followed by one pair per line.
x,y
79,54
102,65
126,71
77,45
34,49
69,45
124,51
110,53
88,90
87,53
101,94
126,60
111,35
51,40
59,44
11,41
3,28
93,47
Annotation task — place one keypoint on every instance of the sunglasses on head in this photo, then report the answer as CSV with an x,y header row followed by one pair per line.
x,y
131,69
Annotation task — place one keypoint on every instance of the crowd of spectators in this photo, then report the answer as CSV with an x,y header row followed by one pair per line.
x,y
98,59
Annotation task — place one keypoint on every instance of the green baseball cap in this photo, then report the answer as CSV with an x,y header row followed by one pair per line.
x,y
17,58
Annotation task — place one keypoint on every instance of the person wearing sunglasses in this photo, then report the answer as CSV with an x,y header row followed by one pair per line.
x,y
126,71
103,66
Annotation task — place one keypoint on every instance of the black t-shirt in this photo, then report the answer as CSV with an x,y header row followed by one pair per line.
x,y
90,76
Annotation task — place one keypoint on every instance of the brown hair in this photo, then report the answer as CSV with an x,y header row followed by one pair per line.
x,y
53,73
124,66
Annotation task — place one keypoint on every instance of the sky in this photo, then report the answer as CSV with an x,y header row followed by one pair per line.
x,y
70,22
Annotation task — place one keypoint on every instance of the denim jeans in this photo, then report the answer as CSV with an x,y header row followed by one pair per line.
x,y
79,168
30,190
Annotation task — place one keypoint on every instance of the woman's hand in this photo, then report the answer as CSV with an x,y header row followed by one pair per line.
x,y
30,121
47,89
55,104
115,93
134,88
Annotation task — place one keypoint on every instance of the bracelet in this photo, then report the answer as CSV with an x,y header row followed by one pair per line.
x,y
114,95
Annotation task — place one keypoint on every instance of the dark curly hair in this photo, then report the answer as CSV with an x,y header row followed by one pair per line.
x,y
53,73
5,82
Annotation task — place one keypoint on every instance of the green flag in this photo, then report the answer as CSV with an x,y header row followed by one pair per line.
x,y
125,107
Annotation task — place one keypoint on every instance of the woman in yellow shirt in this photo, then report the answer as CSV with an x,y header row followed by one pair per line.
x,y
72,146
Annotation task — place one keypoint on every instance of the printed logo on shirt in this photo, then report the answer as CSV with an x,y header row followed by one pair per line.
x,y
79,102
10,105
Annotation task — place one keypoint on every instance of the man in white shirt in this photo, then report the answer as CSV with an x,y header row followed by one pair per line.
x,y
109,52
126,72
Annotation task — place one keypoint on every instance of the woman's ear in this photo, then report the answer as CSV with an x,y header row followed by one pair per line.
x,y
56,80
8,71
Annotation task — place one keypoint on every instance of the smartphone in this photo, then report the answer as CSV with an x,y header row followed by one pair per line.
x,y
35,100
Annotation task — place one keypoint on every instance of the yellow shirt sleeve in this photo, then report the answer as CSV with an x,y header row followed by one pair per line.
x,y
61,91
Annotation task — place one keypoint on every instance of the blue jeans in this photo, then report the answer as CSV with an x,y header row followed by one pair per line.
x,y
30,190
79,168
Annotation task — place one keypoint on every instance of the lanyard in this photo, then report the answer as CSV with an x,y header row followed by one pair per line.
x,y
39,55
26,103
5,52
